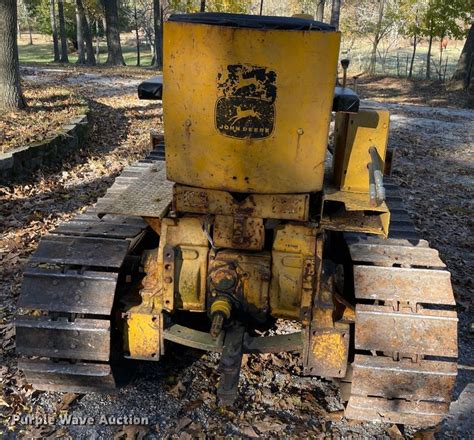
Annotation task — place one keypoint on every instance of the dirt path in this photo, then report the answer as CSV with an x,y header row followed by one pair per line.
x,y
434,168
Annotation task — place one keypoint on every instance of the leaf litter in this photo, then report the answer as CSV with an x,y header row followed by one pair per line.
x,y
178,394
48,109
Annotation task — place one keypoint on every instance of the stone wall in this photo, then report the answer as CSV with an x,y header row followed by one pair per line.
x,y
21,162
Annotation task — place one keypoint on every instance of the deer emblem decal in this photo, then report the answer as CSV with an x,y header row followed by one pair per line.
x,y
245,107
242,114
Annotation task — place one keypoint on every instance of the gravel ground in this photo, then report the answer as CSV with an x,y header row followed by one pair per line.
x,y
434,168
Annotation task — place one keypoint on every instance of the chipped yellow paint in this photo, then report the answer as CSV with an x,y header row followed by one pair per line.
x,y
354,134
329,347
291,158
142,334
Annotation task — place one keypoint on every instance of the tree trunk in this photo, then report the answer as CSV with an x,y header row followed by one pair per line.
x,y
415,41
320,10
54,28
87,34
203,6
97,41
428,57
28,22
157,25
62,32
440,74
89,42
335,13
463,76
137,36
10,87
81,55
114,49
30,32
378,28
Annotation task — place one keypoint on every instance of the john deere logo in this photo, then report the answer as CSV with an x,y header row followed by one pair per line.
x,y
245,108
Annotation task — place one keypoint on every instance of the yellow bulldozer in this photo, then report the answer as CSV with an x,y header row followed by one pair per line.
x,y
246,212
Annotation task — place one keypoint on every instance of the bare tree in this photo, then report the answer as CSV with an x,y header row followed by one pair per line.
x,y
335,13
114,48
203,6
10,88
377,37
412,61
320,9
54,28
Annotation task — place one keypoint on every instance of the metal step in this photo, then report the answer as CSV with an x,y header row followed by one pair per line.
x,y
401,275
83,251
404,379
426,332
83,339
98,229
413,413
390,254
88,292
68,377
403,284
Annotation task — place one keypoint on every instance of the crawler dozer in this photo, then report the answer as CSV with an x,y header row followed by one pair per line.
x,y
244,213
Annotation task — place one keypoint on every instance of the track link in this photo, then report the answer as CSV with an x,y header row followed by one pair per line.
x,y
404,368
66,336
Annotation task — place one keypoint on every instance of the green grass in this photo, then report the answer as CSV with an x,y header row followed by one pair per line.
x,y
395,63
42,53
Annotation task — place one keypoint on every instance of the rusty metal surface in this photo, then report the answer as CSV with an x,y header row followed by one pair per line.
x,y
89,292
183,257
404,379
251,273
352,239
428,332
403,284
142,333
327,347
353,212
193,338
396,384
238,232
206,201
328,352
274,344
413,413
150,195
259,344
85,339
67,377
296,249
388,255
83,251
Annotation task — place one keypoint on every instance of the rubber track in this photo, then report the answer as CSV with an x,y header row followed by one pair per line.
x,y
70,284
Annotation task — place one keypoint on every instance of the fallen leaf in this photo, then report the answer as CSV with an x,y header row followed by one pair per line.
x,y
67,399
